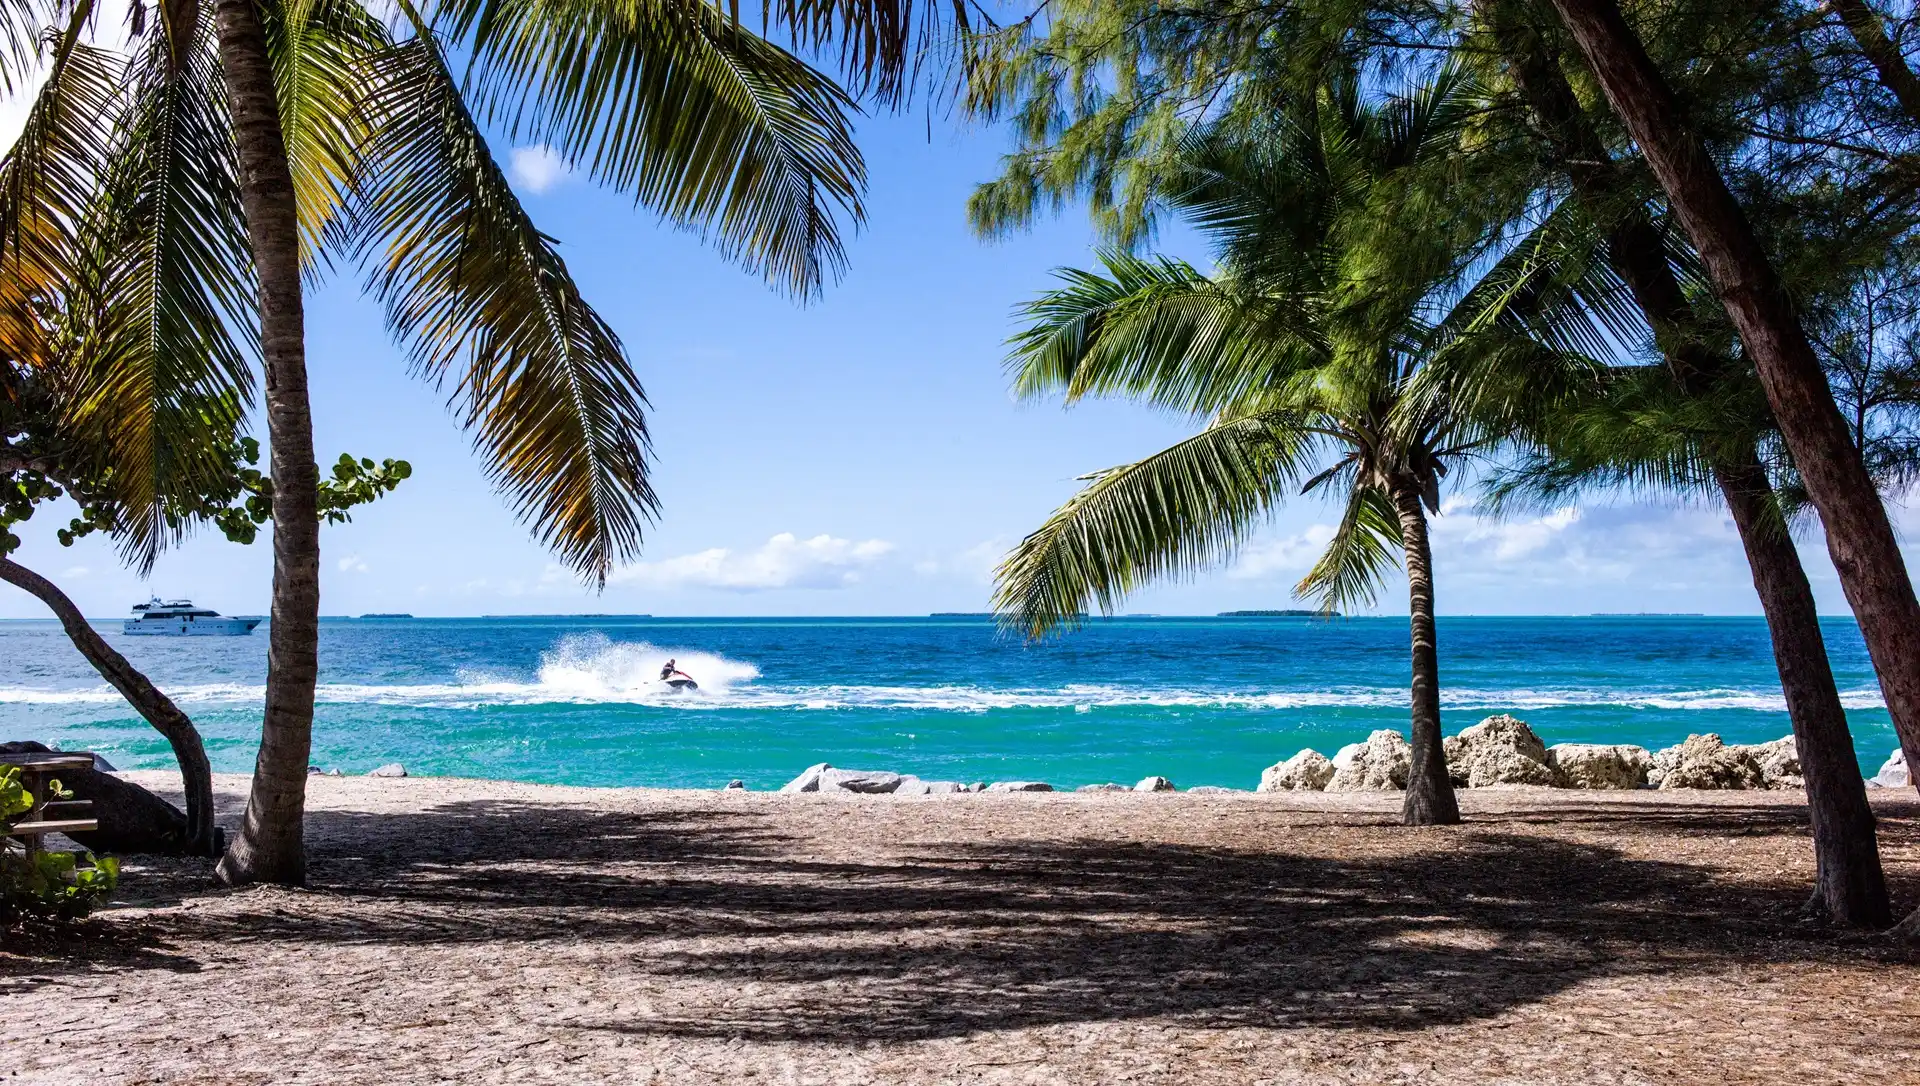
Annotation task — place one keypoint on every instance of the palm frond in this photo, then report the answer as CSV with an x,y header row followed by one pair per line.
x,y
472,287
1173,513
23,23
320,51
1160,331
700,119
1364,546
46,181
164,297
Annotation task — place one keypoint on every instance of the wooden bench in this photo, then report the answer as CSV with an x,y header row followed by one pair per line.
x,y
49,815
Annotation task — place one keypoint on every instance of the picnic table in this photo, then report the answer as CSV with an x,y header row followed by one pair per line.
x,y
49,815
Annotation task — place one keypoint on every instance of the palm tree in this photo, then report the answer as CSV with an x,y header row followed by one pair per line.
x,y
1345,343
1652,429
255,141
1860,537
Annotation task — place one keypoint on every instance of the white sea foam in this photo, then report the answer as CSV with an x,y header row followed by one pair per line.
x,y
592,669
603,681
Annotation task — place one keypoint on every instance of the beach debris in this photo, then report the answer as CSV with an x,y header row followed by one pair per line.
x,y
1779,763
1703,761
1378,765
1154,784
1893,772
1307,771
866,782
1019,786
1212,790
808,780
1599,765
1107,787
1498,750
391,769
735,786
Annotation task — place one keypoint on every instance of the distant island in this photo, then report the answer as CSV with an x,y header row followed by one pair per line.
x,y
388,614
586,615
1288,613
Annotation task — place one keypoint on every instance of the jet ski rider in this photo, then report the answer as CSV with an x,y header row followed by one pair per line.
x,y
671,672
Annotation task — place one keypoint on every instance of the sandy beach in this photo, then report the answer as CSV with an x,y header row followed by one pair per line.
x,y
476,931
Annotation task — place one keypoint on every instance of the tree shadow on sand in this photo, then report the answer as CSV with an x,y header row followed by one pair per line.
x,y
757,940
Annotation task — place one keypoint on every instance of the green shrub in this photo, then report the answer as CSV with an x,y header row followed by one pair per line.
x,y
61,885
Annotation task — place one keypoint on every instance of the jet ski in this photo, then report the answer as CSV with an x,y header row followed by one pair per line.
x,y
679,681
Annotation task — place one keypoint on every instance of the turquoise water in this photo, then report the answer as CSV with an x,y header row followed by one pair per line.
x,y
1201,701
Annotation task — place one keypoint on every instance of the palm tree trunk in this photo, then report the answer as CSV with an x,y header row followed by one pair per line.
x,y
1430,800
1870,34
1849,886
196,776
271,845
1860,539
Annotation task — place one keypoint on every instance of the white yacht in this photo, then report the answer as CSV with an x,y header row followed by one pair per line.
x,y
180,618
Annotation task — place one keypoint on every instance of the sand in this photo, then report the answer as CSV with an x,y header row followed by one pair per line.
x,y
480,932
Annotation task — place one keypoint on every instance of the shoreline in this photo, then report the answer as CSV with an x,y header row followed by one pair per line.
x,y
479,931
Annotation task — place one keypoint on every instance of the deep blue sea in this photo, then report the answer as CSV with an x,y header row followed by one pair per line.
x,y
1201,701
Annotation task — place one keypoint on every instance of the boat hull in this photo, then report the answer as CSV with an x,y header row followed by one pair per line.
x,y
180,627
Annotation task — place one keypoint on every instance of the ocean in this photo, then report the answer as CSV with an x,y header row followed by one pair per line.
x,y
1200,701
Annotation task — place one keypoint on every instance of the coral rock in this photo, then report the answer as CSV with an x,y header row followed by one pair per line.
x,y
1307,771
1596,765
1703,761
1378,765
1498,750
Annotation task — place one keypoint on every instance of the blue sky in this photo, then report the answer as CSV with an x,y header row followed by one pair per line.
x,y
859,455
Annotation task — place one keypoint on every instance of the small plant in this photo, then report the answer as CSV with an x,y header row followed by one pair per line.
x,y
59,885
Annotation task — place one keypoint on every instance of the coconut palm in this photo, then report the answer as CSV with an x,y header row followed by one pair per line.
x,y
240,148
1345,344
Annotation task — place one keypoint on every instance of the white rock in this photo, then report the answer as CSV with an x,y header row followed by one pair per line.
x,y
866,782
1154,784
1108,787
914,786
1703,761
1019,786
1779,762
1498,750
1307,771
1893,773
391,769
1598,765
1378,765
808,780
101,765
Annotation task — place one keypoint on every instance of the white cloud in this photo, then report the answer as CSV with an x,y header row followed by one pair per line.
x,y
74,571
537,169
353,563
1291,556
785,561
1509,539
